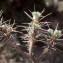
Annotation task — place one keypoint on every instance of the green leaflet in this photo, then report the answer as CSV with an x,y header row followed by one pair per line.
x,y
56,32
35,25
50,31
10,27
36,14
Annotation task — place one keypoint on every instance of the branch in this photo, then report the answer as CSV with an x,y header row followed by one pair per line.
x,y
19,50
48,47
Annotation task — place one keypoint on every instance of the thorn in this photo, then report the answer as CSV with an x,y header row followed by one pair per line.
x,y
28,15
24,29
25,41
1,20
7,21
56,27
45,16
19,32
22,37
1,12
25,23
20,26
45,22
15,28
30,11
13,23
43,10
48,25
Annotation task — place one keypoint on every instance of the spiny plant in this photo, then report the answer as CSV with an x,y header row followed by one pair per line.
x,y
34,30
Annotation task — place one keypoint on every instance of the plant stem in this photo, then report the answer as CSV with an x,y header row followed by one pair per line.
x,y
19,50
